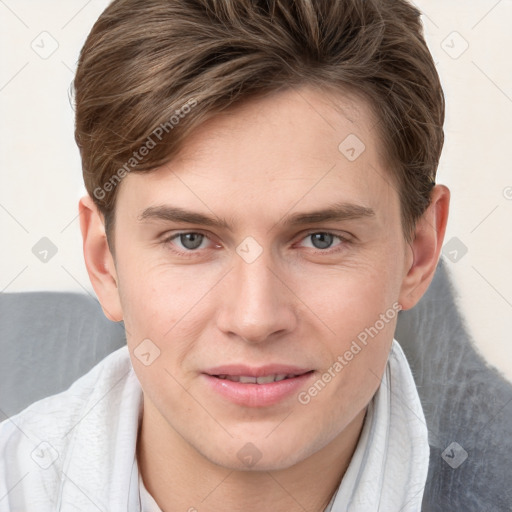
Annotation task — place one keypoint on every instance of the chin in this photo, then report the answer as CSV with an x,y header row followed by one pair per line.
x,y
260,454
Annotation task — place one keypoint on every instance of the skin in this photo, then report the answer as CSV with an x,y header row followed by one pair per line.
x,y
255,166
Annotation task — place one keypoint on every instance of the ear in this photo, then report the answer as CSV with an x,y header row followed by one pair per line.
x,y
99,260
425,249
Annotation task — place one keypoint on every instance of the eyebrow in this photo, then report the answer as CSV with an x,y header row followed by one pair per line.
x,y
336,212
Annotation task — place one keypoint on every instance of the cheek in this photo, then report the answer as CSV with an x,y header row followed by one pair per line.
x,y
160,307
169,306
358,310
154,297
358,352
348,300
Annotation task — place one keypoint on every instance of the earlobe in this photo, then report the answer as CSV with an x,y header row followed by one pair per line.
x,y
99,260
425,249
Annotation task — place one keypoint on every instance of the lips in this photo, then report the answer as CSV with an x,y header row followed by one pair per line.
x,y
257,387
239,370
247,379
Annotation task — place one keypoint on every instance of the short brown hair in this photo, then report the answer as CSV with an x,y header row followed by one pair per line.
x,y
175,63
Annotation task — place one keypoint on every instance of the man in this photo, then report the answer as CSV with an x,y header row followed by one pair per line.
x,y
262,204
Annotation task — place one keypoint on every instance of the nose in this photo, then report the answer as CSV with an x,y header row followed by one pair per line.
x,y
256,304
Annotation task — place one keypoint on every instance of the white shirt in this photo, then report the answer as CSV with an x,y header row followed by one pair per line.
x,y
75,451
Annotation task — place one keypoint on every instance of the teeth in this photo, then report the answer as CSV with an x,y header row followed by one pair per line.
x,y
245,379
266,380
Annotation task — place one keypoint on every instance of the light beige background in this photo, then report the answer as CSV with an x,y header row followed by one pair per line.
x,y
40,179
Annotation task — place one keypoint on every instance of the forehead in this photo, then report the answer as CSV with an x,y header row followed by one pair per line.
x,y
290,123
301,145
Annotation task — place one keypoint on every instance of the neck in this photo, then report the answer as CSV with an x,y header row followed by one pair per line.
x,y
180,478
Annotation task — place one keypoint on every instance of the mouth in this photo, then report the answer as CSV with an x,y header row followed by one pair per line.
x,y
266,379
257,387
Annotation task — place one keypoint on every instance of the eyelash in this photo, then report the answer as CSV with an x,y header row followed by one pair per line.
x,y
196,252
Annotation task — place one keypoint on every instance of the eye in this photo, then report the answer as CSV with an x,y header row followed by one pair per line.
x,y
323,240
187,242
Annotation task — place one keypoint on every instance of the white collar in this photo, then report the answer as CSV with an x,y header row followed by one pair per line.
x,y
389,467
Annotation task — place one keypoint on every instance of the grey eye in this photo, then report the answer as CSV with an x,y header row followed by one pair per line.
x,y
191,240
321,240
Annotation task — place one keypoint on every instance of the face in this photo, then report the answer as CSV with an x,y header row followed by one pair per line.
x,y
270,248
